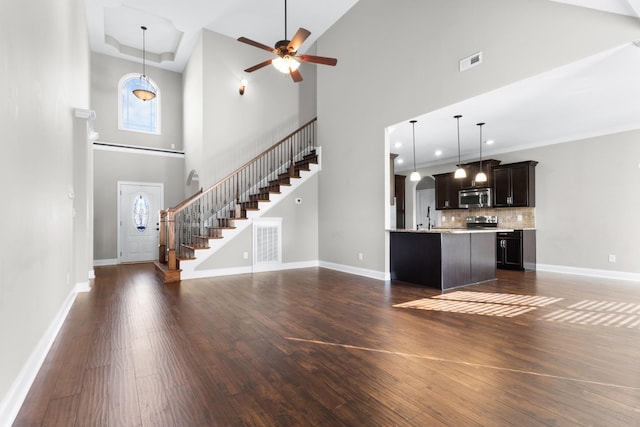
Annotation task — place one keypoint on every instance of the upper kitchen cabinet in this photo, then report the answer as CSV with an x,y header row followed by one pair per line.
x,y
446,191
514,184
472,169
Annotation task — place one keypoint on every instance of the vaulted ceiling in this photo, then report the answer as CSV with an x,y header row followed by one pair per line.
x,y
560,105
173,26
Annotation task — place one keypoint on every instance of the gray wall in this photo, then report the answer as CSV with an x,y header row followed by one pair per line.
x,y
364,94
113,166
224,130
585,209
585,203
299,232
44,77
236,128
106,72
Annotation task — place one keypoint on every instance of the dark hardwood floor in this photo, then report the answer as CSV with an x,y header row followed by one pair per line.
x,y
315,347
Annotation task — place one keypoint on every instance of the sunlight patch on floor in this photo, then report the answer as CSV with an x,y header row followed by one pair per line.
x,y
484,303
602,313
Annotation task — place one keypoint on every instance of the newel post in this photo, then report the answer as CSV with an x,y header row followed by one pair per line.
x,y
172,262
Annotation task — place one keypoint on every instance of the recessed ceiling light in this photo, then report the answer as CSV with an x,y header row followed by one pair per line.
x,y
438,152
398,144
399,160
489,141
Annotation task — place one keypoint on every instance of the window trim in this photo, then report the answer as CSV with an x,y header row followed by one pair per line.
x,y
121,87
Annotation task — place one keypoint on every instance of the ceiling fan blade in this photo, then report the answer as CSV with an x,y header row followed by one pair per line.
x,y
257,44
258,66
317,59
295,75
297,40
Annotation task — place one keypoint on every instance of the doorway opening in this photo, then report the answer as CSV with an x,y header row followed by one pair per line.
x,y
426,203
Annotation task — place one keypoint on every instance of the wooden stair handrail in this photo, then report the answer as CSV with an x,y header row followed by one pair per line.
x,y
182,225
187,202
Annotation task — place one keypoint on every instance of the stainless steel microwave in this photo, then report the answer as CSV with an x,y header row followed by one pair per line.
x,y
474,198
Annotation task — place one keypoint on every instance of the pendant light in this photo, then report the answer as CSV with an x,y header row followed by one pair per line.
x,y
460,172
481,176
143,89
415,175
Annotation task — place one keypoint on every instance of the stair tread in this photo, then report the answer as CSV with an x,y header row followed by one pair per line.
x,y
210,237
195,248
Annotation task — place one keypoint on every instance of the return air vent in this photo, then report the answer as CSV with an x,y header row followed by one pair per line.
x,y
471,61
267,241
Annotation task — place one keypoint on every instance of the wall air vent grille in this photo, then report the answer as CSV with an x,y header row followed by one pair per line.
x,y
267,241
471,61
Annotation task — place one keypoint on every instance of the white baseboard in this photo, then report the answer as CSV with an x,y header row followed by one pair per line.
x,y
373,274
83,287
605,274
285,266
11,404
201,274
101,262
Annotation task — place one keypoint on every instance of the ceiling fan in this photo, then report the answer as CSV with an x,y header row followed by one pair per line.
x,y
288,60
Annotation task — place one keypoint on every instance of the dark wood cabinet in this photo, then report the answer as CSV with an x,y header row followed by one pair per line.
x,y
442,260
447,188
514,184
399,183
472,169
516,250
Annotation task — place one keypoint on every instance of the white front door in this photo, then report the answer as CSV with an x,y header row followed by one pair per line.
x,y
138,207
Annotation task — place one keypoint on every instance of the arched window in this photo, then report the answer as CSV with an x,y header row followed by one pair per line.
x,y
134,114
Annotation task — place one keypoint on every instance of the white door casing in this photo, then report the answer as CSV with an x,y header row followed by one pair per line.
x,y
138,207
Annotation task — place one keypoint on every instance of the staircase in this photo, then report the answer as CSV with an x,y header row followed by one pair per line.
x,y
200,224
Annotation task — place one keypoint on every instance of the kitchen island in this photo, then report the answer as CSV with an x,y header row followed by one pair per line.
x,y
443,258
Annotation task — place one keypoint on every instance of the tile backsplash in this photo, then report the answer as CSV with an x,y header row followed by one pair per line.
x,y
507,217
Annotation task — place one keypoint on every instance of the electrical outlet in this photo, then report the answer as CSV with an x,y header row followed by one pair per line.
x,y
612,258
245,255
360,257
519,217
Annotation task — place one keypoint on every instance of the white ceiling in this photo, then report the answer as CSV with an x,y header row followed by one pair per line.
x,y
174,26
592,97
596,96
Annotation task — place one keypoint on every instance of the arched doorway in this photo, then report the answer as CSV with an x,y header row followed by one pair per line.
x,y
426,202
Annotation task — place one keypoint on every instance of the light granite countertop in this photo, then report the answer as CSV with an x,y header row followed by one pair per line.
x,y
451,230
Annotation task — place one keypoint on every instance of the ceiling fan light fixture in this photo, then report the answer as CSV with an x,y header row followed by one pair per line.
x,y
285,64
144,90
